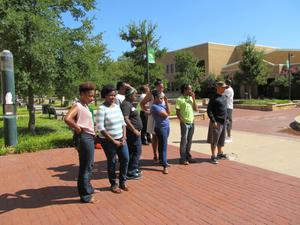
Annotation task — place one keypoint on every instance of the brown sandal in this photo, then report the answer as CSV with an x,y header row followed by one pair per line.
x,y
115,189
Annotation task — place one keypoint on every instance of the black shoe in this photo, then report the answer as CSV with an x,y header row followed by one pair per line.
x,y
138,171
214,160
221,156
135,176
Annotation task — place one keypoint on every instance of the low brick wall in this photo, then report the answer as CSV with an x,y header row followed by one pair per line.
x,y
269,107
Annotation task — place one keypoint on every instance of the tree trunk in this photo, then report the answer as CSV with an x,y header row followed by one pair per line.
x,y
31,109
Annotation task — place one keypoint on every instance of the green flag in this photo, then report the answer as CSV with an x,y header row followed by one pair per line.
x,y
287,64
151,55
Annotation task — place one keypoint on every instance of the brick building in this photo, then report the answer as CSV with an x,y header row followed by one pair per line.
x,y
224,59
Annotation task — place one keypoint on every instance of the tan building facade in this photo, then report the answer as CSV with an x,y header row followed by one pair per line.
x,y
224,59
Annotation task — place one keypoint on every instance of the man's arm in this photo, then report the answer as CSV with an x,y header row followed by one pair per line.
x,y
195,106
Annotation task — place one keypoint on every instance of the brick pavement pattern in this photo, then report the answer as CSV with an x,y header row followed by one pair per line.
x,y
263,122
40,188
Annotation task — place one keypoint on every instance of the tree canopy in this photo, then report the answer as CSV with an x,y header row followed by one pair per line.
x,y
139,36
253,68
188,70
49,57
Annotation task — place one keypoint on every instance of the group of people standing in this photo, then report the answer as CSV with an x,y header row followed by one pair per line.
x,y
121,130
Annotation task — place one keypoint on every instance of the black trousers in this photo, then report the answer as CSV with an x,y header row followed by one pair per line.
x,y
144,135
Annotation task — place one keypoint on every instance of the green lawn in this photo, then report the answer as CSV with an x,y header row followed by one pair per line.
x,y
261,101
50,133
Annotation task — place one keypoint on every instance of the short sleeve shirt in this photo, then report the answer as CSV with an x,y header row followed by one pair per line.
x,y
160,122
129,110
111,120
185,106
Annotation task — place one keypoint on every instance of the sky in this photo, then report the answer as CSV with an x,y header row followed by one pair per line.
x,y
185,23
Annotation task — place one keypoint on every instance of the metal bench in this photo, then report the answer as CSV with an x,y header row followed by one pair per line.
x,y
52,111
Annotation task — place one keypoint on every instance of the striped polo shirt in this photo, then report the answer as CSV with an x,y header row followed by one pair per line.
x,y
111,120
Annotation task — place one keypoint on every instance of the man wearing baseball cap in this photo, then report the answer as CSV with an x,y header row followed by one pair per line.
x,y
217,113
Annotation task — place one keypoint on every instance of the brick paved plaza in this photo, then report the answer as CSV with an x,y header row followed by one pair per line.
x,y
40,188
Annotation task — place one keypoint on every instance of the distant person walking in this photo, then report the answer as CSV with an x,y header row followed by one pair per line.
x,y
160,113
185,107
159,87
80,119
133,132
217,111
146,137
112,136
229,93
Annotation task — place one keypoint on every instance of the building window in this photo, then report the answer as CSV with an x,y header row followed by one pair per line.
x,y
172,68
167,68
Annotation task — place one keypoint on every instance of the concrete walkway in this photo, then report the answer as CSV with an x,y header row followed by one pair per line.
x,y
279,154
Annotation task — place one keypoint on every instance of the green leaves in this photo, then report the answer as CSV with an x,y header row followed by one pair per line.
x,y
140,36
253,68
187,70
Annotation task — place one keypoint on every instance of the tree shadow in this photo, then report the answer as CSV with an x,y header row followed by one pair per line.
x,y
39,131
37,198
62,143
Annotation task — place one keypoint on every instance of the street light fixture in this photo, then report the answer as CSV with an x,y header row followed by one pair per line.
x,y
146,42
290,55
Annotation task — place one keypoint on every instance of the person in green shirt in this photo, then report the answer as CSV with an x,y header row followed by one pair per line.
x,y
185,107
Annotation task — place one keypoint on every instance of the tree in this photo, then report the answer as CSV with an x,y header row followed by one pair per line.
x,y
188,71
48,56
252,66
138,36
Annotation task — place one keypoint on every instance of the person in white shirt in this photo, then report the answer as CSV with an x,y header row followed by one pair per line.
x,y
229,93
121,88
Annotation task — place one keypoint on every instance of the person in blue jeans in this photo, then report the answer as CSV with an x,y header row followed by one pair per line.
x,y
112,134
80,119
160,113
133,131
185,107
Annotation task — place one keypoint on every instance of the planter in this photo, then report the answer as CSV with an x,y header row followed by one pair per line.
x,y
268,107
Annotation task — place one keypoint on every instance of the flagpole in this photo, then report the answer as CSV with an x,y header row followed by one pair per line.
x,y
147,59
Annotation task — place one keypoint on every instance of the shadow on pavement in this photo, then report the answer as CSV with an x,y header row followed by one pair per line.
x,y
37,198
194,141
70,172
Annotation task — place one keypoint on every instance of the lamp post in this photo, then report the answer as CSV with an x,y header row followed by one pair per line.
x,y
290,55
147,60
8,98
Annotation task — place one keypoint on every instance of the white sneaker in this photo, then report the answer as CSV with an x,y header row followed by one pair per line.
x,y
228,140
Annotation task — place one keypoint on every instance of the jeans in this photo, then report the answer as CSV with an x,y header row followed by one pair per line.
x,y
162,137
111,150
135,149
187,132
85,146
